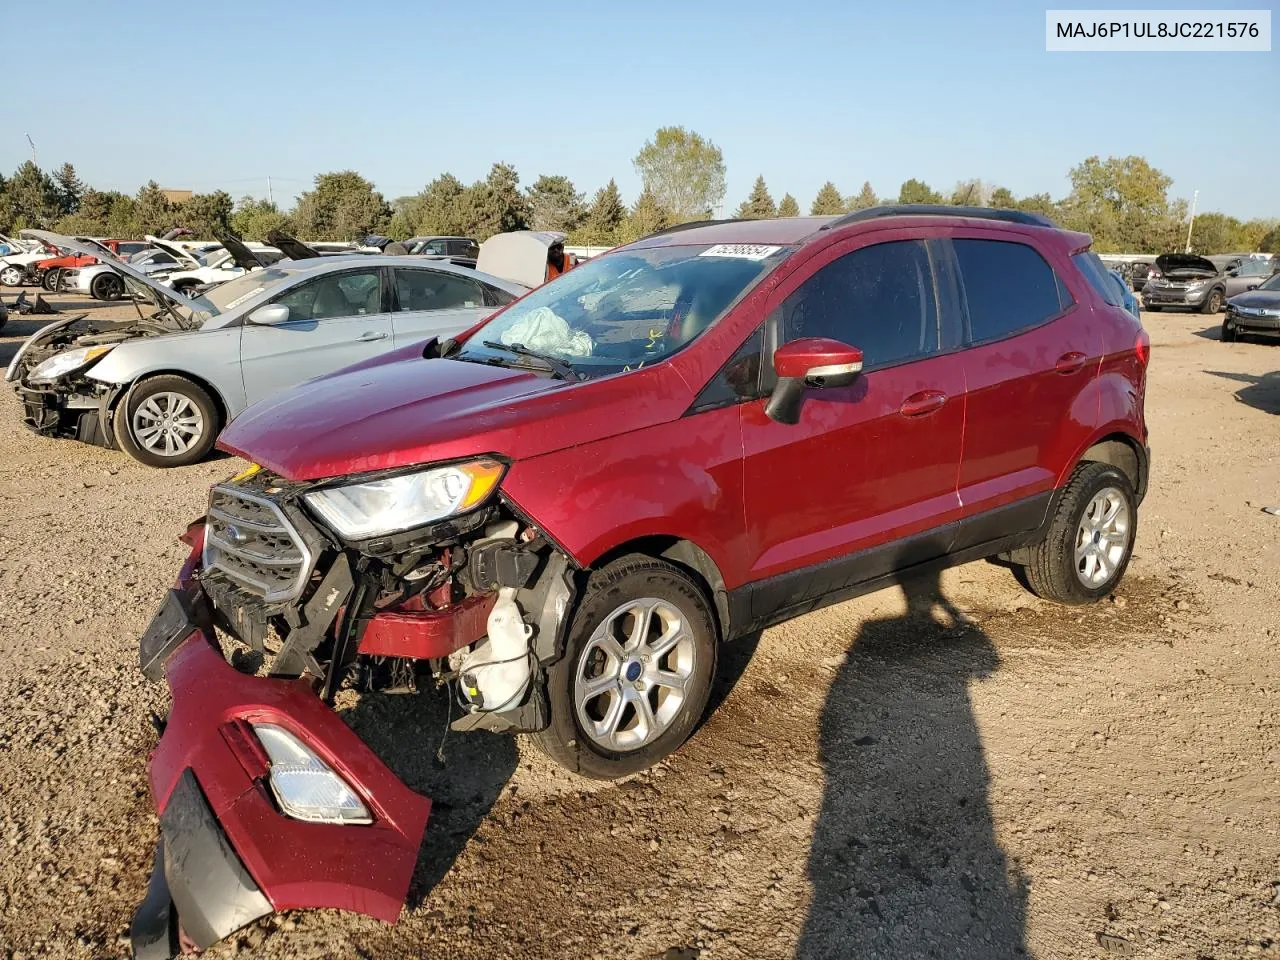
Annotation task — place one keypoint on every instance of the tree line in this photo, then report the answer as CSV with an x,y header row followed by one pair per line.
x,y
1123,202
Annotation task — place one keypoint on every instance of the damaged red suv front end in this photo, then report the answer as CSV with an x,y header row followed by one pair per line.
x,y
234,845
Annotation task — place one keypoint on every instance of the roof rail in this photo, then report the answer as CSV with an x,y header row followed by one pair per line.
x,y
939,210
688,226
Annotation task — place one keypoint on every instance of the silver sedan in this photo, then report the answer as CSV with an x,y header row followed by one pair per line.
x,y
162,386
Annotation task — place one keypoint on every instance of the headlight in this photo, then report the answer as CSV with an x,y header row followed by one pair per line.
x,y
303,784
1196,284
66,362
362,510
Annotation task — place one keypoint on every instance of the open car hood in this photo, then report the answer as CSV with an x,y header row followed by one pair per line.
x,y
184,313
1187,264
245,258
184,257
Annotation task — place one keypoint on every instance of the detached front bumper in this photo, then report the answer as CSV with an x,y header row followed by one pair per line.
x,y
227,854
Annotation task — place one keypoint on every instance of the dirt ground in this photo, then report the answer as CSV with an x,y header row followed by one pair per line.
x,y
963,771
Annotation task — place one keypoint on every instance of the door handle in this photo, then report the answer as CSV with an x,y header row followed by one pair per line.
x,y
1070,362
370,335
922,403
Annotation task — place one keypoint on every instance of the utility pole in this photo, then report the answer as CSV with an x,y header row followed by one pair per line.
x,y
33,148
1194,197
270,196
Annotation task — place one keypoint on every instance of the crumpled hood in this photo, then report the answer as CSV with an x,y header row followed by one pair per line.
x,y
69,333
403,410
1264,299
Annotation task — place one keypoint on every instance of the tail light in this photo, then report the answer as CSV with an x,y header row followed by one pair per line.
x,y
1143,347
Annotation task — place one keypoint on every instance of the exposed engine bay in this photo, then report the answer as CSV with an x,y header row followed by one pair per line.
x,y
62,404
475,600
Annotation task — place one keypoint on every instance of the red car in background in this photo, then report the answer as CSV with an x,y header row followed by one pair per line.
x,y
46,272
564,512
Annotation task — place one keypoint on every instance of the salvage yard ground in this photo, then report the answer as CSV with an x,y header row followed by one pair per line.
x,y
956,771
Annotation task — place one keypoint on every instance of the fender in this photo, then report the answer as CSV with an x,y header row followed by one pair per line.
x,y
668,480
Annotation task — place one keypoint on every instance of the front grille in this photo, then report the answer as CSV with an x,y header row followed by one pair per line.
x,y
249,539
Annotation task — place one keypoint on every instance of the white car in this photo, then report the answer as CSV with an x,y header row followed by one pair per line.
x,y
102,283
210,265
16,267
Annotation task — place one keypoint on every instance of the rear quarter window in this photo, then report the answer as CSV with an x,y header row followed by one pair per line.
x,y
1007,287
1095,271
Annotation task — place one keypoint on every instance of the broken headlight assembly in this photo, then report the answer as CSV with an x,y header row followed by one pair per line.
x,y
371,508
69,361
304,785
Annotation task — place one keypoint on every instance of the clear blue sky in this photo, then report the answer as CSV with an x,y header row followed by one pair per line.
x,y
204,96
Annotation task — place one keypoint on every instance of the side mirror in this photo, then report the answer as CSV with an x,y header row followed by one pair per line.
x,y
1233,271
813,362
271,314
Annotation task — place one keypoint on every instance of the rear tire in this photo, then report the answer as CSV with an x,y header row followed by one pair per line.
x,y
1083,556
108,286
590,733
166,421
49,281
186,289
1212,303
11,276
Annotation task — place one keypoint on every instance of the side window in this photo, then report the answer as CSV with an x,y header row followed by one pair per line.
x,y
738,379
434,290
1095,271
434,248
1007,287
880,299
464,248
339,295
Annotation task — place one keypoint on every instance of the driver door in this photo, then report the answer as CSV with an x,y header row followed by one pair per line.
x,y
334,321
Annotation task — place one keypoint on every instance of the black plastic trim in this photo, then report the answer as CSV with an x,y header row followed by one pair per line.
x,y
940,210
180,612
153,933
762,603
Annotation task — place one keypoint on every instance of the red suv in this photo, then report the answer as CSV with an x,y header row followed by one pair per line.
x,y
566,510
48,272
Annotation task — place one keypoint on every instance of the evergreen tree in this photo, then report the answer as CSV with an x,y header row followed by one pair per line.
x,y
605,216
865,199
828,201
917,191
153,210
647,216
70,189
788,207
32,198
555,205
495,204
759,205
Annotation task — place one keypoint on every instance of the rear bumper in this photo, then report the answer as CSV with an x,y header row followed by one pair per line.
x,y
227,854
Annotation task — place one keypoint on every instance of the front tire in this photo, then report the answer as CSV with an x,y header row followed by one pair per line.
x,y
1090,538
637,670
166,421
49,280
1229,332
11,276
108,286
1212,303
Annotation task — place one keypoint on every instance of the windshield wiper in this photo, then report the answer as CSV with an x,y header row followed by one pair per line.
x,y
561,368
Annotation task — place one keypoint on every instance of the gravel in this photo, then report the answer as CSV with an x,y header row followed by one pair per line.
x,y
966,772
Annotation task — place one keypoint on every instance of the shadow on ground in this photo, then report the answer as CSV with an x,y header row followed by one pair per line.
x,y
905,861
1260,392
406,732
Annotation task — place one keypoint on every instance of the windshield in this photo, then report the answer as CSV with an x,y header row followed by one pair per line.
x,y
1272,284
625,310
247,286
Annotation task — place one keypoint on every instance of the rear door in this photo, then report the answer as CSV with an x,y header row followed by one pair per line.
x,y
866,481
1033,351
434,303
334,321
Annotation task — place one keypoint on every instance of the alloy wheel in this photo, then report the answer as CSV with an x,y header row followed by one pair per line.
x,y
167,424
1102,539
629,682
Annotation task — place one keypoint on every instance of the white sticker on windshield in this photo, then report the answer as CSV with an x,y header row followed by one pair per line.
x,y
242,298
742,251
